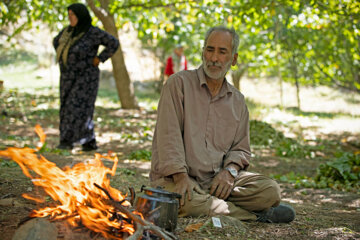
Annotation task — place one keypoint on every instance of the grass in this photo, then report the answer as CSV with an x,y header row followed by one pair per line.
x,y
28,79
132,130
109,95
330,115
16,58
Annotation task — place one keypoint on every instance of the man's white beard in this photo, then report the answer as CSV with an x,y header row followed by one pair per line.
x,y
216,75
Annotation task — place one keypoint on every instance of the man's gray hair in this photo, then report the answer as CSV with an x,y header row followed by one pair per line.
x,y
235,37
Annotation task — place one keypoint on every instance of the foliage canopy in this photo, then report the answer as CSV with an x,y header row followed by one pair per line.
x,y
310,42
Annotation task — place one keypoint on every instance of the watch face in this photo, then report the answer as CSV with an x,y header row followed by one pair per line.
x,y
232,171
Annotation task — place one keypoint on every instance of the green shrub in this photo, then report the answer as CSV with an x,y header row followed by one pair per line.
x,y
263,134
141,155
342,173
8,163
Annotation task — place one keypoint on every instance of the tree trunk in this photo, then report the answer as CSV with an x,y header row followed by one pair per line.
x,y
296,77
237,75
297,93
124,86
277,48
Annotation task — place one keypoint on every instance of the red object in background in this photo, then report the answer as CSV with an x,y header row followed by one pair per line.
x,y
169,68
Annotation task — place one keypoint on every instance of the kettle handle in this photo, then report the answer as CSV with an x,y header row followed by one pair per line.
x,y
132,195
142,188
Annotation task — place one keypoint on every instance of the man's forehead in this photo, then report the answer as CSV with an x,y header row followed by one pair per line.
x,y
219,39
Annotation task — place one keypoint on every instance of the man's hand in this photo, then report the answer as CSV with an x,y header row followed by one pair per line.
x,y
96,61
222,185
185,185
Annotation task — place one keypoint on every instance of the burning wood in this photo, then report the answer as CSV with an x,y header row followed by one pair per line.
x,y
83,194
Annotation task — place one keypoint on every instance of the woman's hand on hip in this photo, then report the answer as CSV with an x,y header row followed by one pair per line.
x,y
96,61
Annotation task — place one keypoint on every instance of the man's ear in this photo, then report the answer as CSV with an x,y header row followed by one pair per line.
x,y
234,61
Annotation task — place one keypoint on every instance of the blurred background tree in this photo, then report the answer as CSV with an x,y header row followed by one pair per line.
x,y
302,42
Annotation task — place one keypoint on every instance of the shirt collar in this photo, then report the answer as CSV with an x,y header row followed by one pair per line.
x,y
224,89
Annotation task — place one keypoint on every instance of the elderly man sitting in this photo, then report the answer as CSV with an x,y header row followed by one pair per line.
x,y
201,146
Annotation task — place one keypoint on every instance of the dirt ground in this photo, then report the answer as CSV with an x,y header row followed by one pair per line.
x,y
321,213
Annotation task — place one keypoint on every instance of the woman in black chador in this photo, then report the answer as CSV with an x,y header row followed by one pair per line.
x,y
76,51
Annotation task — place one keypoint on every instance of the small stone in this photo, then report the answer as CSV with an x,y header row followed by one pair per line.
x,y
36,229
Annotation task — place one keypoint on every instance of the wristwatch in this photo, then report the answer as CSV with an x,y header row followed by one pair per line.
x,y
232,171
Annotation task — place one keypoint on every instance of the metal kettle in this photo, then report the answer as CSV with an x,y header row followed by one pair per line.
x,y
159,206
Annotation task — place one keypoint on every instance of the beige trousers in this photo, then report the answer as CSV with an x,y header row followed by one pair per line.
x,y
252,192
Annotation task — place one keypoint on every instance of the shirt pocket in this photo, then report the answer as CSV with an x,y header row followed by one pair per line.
x,y
225,129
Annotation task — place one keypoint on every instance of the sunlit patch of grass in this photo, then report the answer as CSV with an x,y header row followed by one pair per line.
x,y
147,93
11,140
33,107
147,97
61,152
15,138
341,172
27,78
107,95
143,154
296,111
121,171
255,109
20,69
7,163
126,178
351,99
46,113
14,57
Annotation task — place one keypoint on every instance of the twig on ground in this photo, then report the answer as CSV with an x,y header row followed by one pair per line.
x,y
141,224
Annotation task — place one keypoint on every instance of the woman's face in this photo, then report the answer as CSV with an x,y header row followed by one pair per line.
x,y
72,18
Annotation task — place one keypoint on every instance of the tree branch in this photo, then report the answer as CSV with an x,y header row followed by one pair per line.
x,y
149,6
333,80
101,13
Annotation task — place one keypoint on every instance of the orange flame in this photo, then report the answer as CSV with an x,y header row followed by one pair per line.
x,y
73,189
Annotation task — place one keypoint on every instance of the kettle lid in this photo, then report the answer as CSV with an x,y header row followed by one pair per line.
x,y
159,191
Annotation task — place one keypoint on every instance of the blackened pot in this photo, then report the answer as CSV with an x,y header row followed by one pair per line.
x,y
159,207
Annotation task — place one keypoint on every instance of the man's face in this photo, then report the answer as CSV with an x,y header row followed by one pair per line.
x,y
217,57
72,18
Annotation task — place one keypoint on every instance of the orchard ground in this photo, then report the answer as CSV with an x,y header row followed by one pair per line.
x,y
321,213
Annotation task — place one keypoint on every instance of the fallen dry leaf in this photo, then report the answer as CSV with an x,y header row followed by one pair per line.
x,y
193,227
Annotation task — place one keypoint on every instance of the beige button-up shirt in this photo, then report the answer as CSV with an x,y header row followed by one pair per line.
x,y
197,133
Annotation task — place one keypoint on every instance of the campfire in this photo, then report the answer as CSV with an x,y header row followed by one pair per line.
x,y
83,195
